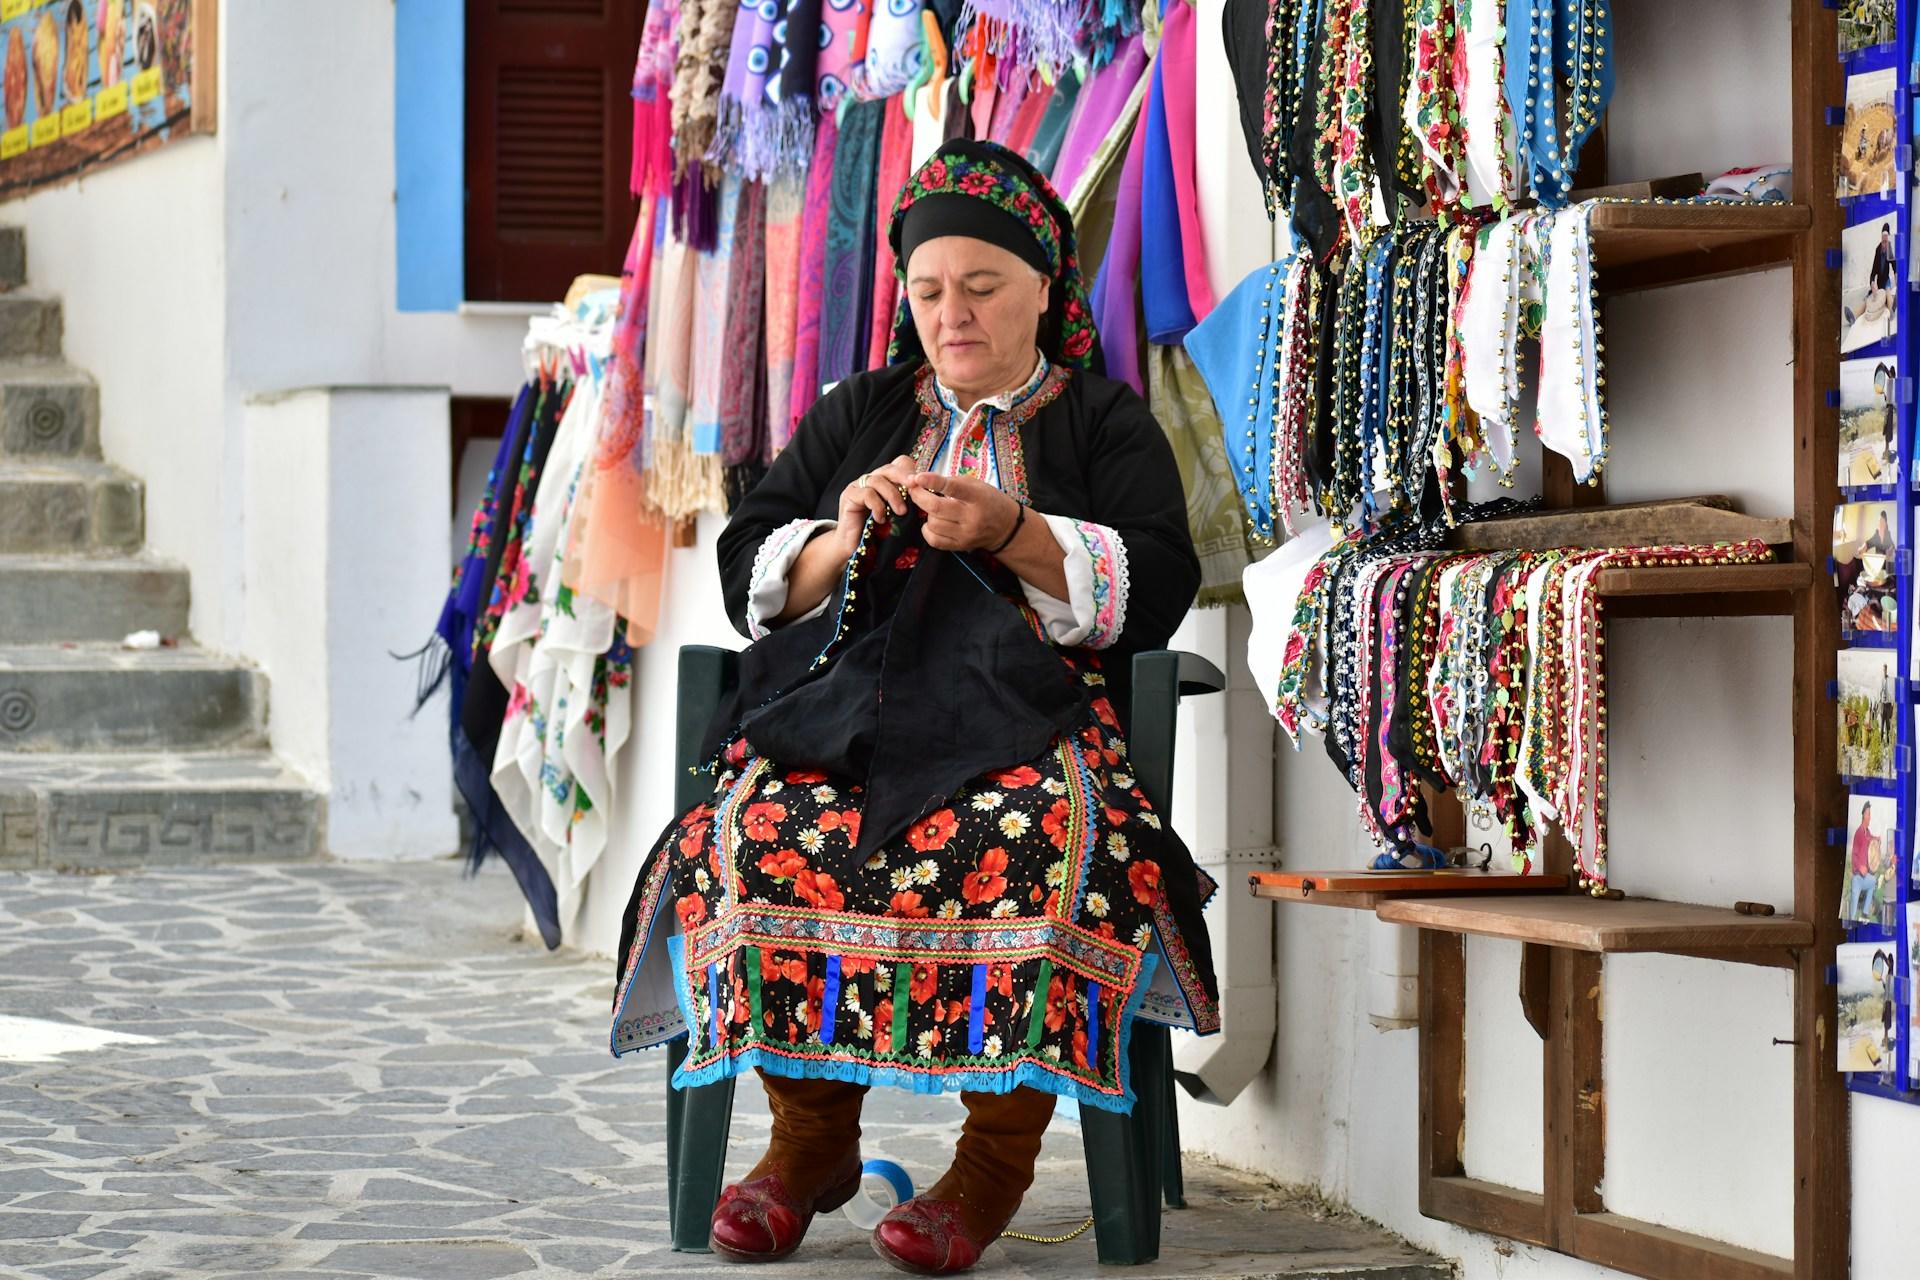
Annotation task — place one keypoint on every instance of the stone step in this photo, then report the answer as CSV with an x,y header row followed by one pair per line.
x,y
50,506
105,698
48,407
13,257
57,599
30,324
86,812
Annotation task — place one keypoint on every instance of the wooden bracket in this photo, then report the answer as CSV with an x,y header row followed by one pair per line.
x,y
1536,971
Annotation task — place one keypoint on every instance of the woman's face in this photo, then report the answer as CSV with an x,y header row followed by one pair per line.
x,y
977,308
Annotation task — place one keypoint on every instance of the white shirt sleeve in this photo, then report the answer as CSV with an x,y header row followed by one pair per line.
x,y
767,588
1095,610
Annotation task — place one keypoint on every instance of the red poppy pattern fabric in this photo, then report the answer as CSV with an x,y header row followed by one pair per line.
x,y
1003,939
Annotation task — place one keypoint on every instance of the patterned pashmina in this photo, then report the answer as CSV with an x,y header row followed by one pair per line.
x,y
742,420
851,223
813,269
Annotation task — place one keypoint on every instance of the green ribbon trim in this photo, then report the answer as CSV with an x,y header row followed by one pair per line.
x,y
902,993
753,992
1037,1021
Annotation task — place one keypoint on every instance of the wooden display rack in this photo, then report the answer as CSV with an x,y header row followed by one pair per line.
x,y
1565,936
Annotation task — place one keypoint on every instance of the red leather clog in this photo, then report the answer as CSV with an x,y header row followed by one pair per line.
x,y
761,1221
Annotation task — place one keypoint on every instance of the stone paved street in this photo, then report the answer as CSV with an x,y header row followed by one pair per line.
x,y
349,1071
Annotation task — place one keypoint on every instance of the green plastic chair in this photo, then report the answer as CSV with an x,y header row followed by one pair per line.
x,y
1133,1161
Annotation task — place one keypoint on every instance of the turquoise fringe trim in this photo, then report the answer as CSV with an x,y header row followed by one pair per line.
x,y
1031,1074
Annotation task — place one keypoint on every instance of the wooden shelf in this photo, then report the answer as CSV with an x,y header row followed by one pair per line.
x,y
1701,519
1367,889
1583,923
1647,246
1709,591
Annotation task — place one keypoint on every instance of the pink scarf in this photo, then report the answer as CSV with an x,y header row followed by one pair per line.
x,y
896,166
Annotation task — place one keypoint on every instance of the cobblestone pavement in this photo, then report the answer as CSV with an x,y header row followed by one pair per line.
x,y
331,1070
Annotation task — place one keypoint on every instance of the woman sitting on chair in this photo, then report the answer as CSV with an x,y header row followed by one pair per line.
x,y
926,862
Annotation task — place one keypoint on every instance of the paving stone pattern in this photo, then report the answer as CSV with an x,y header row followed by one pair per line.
x,y
362,1071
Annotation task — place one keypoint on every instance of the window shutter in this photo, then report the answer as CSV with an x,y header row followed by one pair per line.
x,y
549,143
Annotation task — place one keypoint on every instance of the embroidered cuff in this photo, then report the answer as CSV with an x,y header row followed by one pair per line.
x,y
1095,610
767,588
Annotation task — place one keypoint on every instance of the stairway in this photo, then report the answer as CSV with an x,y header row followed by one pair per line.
x,y
110,757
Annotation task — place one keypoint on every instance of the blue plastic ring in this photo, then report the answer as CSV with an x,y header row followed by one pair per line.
x,y
896,1178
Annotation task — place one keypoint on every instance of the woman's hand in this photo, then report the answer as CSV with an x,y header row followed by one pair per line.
x,y
962,513
880,493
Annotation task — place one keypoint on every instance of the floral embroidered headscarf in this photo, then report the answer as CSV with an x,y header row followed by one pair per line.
x,y
1023,214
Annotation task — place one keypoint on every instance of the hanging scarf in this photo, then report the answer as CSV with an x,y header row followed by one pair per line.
x,y
994,176
1008,104
1101,106
1163,274
1041,133
894,51
1237,351
786,199
742,430
896,166
652,169
705,38
1114,305
813,269
710,357
815,60
743,95
1178,397
848,292
1175,67
620,551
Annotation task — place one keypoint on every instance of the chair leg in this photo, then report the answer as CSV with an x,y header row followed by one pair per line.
x,y
676,1121
1173,1180
1124,1159
698,1121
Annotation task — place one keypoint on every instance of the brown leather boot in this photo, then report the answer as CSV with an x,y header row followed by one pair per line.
x,y
945,1230
812,1165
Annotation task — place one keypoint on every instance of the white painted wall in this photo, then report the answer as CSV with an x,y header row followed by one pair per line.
x,y
335,593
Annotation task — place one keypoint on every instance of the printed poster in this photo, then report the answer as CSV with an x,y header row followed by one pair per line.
x,y
85,82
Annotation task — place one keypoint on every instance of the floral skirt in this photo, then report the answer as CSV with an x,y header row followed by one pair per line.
x,y
1008,938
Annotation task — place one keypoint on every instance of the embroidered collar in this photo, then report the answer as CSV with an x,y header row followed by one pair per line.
x,y
1002,402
